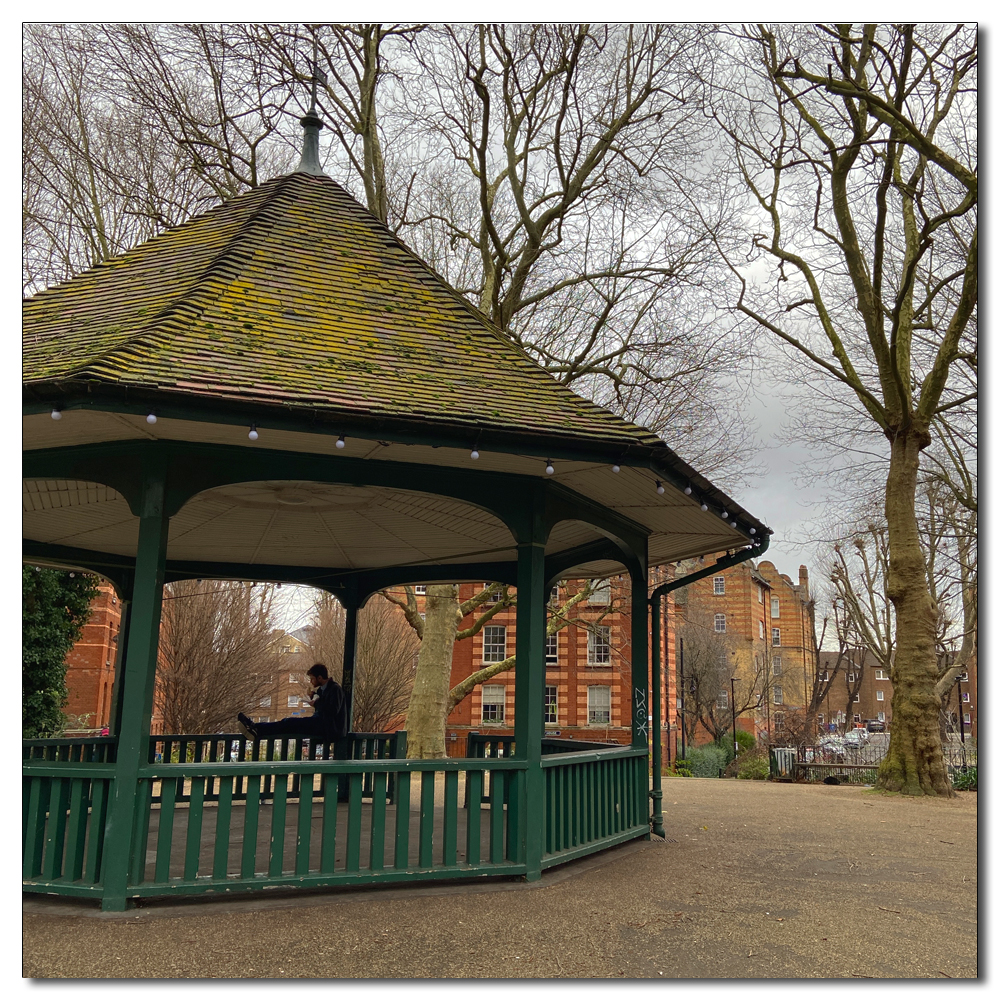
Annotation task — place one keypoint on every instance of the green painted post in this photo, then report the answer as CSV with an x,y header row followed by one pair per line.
x,y
657,793
350,652
640,670
529,692
115,722
137,689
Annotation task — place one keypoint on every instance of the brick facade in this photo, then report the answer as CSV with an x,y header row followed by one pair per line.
x,y
90,665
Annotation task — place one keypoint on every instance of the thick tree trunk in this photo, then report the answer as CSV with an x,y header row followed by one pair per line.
x,y
427,714
914,764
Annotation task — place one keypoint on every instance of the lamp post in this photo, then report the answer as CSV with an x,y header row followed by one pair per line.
x,y
680,700
732,686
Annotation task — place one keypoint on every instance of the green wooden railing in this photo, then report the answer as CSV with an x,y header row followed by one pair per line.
x,y
593,799
242,825
89,750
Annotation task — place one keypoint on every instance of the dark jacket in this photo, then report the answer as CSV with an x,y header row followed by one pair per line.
x,y
330,707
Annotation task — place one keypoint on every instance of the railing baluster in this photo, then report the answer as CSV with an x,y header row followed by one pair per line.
x,y
474,818
496,816
278,807
56,830
304,836
251,819
34,825
165,831
425,847
401,857
449,833
355,791
196,812
223,822
376,854
95,837
328,847
76,831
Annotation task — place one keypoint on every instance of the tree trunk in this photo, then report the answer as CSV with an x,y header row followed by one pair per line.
x,y
914,764
427,714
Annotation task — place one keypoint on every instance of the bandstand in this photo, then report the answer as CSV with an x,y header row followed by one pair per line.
x,y
279,390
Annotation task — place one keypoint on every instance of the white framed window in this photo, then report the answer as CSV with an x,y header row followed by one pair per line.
x,y
293,701
857,698
420,588
881,716
880,696
779,720
598,705
492,597
601,594
723,699
494,703
776,637
776,666
265,702
554,596
552,648
965,696
881,675
850,677
286,648
824,676
820,718
760,594
598,644
264,718
718,584
857,718
720,623
965,676
551,716
292,678
779,695
494,644
967,719
775,607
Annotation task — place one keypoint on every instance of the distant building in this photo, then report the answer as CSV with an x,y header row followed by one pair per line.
x,y
90,665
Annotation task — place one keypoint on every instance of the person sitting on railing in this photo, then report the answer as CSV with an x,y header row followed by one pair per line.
x,y
329,721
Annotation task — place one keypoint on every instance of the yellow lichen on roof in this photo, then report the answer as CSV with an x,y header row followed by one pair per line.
x,y
294,293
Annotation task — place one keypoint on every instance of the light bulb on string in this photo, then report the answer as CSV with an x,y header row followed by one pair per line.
x,y
56,414
725,515
616,468
732,524
341,443
150,418
474,453
659,486
753,531
704,506
687,491
253,435
549,468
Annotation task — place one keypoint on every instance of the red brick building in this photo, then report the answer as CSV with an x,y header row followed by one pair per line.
x,y
90,665
768,624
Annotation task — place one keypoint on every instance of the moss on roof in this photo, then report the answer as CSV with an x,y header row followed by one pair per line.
x,y
294,294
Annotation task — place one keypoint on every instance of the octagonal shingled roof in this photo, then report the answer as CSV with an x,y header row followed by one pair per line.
x,y
295,295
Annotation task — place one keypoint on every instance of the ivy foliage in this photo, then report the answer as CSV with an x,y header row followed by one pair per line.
x,y
55,606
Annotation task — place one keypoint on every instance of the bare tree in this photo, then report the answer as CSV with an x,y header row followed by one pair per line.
x,y
218,653
858,148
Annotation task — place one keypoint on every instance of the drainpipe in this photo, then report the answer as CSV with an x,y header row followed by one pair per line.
x,y
724,563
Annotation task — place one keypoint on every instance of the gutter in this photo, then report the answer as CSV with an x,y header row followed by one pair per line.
x,y
725,562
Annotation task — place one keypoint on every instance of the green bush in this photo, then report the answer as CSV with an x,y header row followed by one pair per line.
x,y
707,761
967,781
753,767
744,742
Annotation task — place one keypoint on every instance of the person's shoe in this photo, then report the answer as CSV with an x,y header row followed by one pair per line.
x,y
246,725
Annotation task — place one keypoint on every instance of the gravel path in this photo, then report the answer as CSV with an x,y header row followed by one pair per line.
x,y
756,881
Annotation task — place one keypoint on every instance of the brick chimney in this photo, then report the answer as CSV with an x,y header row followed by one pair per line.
x,y
804,579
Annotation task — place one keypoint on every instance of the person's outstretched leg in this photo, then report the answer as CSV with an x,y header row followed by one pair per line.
x,y
292,726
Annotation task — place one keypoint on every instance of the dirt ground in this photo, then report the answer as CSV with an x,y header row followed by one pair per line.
x,y
756,881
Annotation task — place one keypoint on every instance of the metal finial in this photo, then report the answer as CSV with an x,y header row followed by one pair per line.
x,y
311,124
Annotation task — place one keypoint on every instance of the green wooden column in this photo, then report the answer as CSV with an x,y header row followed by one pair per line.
x,y
137,691
529,690
350,655
115,722
640,654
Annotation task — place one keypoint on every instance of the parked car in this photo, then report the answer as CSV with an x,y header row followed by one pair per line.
x,y
855,739
874,726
